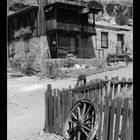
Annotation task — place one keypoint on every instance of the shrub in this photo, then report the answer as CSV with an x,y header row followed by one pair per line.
x,y
70,60
25,65
24,33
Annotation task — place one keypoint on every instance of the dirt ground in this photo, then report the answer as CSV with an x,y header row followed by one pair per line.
x,y
25,95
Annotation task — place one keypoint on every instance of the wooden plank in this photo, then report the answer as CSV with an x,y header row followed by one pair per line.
x,y
131,128
46,109
55,110
73,98
50,105
123,84
62,112
106,117
66,98
70,97
129,135
59,112
56,114
111,126
100,127
116,86
111,91
124,119
106,87
118,115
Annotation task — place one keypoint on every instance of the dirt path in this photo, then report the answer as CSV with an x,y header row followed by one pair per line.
x,y
26,101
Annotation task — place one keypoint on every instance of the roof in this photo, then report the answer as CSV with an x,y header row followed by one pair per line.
x,y
25,2
128,2
11,13
14,6
103,24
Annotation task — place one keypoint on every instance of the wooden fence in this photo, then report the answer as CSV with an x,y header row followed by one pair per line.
x,y
118,57
116,112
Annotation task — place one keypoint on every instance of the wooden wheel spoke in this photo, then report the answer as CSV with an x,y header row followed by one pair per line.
x,y
71,121
87,111
89,118
74,138
85,132
79,113
89,123
84,109
86,128
79,135
74,116
71,129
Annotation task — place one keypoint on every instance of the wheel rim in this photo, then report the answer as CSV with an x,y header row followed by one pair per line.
x,y
82,121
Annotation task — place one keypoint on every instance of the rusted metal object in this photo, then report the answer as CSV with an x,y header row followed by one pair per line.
x,y
82,122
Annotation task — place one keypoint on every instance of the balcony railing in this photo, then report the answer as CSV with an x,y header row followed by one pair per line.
x,y
53,24
74,2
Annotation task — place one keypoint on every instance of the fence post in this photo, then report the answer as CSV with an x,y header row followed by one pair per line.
x,y
124,119
106,119
111,120
118,116
109,59
47,94
126,60
116,80
106,86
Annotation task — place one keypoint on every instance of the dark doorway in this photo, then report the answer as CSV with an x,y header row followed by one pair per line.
x,y
120,44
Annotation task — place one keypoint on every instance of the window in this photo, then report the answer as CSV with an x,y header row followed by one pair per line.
x,y
104,40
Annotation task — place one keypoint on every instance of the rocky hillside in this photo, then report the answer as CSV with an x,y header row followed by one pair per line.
x,y
115,11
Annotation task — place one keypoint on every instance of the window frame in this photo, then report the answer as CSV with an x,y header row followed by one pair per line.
x,y
106,35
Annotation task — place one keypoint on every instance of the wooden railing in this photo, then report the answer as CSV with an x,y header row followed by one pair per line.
x,y
74,2
116,113
53,24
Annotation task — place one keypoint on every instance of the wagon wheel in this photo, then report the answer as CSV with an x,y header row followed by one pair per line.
x,y
82,122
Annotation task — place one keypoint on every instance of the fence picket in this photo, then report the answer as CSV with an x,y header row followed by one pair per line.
x,y
118,115
124,119
106,116
116,86
111,126
59,112
50,105
100,128
46,111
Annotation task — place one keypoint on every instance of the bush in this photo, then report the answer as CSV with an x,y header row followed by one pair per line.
x,y
25,65
24,33
70,60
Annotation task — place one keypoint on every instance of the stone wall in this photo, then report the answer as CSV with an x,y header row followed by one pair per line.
x,y
112,41
36,46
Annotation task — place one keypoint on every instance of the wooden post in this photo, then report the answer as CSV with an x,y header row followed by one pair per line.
x,y
126,60
124,119
111,121
57,43
118,116
109,59
79,45
47,118
106,119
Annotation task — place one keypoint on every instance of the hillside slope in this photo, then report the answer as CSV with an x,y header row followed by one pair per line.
x,y
115,11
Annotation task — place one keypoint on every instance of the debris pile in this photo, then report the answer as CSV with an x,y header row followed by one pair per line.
x,y
76,70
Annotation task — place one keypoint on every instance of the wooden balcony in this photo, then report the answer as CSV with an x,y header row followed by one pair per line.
x,y
73,2
54,25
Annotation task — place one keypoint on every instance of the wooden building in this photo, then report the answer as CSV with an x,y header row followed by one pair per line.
x,y
67,24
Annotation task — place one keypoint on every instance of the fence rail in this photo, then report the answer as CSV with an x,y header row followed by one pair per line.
x,y
116,112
